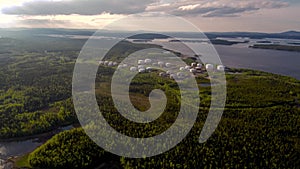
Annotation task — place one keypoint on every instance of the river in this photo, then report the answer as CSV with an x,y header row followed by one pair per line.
x,y
18,148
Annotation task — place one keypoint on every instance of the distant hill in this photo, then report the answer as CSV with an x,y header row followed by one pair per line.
x,y
23,32
291,33
256,35
144,35
149,36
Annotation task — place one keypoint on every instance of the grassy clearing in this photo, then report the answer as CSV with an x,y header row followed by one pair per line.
x,y
22,162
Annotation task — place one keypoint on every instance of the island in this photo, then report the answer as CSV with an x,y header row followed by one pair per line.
x,y
276,47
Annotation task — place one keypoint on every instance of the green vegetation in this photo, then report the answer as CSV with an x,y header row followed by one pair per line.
x,y
35,83
276,47
23,162
34,96
35,89
259,128
70,149
222,42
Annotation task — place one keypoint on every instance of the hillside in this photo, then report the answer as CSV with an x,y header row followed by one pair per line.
x,y
259,129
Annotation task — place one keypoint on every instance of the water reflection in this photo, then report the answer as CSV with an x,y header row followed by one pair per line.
x,y
18,148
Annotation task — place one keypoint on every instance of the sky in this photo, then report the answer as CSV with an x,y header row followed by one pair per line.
x,y
207,15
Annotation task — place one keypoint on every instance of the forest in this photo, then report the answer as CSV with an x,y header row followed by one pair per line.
x,y
35,86
259,128
291,47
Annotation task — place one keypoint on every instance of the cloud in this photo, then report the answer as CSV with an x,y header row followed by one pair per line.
x,y
215,8
205,8
43,23
65,21
82,7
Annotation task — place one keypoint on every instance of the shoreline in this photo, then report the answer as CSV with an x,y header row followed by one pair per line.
x,y
39,136
43,137
10,161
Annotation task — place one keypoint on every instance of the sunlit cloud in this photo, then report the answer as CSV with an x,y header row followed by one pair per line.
x,y
67,7
215,8
209,15
65,21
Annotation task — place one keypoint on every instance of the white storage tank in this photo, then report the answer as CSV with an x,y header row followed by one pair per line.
x,y
182,68
140,62
133,69
110,63
161,64
199,65
142,70
141,66
180,74
149,69
198,68
101,62
220,68
106,62
155,64
148,61
193,70
193,64
188,67
168,64
115,63
162,74
173,76
209,67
